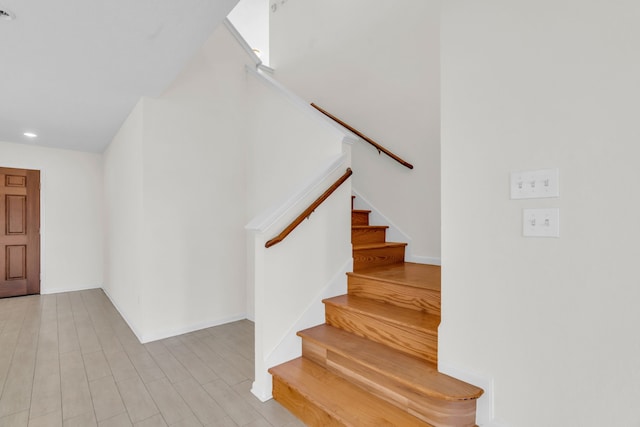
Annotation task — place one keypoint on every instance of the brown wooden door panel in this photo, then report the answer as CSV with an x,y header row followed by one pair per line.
x,y
16,211
16,262
19,232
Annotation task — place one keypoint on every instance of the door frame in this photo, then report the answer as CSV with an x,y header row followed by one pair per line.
x,y
34,186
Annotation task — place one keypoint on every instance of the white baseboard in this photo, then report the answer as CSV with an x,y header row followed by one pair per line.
x,y
145,338
135,330
262,392
44,290
190,328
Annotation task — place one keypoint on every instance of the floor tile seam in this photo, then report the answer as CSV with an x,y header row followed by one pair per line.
x,y
218,353
59,376
151,416
13,352
86,381
144,384
145,387
88,388
115,416
93,405
170,384
234,394
76,322
183,344
93,315
33,372
226,362
75,331
193,410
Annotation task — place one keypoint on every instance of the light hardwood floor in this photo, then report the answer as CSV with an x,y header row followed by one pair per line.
x,y
70,360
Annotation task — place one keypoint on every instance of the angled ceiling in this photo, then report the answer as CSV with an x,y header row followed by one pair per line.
x,y
71,71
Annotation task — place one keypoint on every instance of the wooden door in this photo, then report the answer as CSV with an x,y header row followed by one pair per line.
x,y
19,232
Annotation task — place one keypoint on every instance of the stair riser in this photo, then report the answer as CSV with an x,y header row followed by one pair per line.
x,y
359,218
368,235
436,412
367,258
419,343
307,390
300,406
399,295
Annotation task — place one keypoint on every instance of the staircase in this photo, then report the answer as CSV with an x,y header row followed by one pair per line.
x,y
374,361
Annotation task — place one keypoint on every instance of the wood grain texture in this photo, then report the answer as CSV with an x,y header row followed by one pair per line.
x,y
410,331
378,147
408,285
308,211
377,254
363,234
412,372
359,217
320,398
440,413
408,273
380,339
19,232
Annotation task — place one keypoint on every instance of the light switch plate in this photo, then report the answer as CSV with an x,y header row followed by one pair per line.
x,y
541,222
535,184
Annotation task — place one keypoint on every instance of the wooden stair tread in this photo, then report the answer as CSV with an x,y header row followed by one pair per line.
x,y
389,313
364,211
410,274
381,245
362,227
345,403
411,372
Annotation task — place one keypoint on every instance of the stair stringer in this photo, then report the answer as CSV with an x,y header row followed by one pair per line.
x,y
276,275
394,233
290,345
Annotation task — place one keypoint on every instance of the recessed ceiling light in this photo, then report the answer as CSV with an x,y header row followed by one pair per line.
x,y
30,135
7,15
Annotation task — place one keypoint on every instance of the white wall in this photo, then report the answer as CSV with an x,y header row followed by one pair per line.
x,y
124,208
376,66
185,209
294,155
553,322
71,213
287,143
194,193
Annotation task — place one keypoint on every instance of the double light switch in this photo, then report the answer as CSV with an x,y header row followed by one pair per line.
x,y
537,184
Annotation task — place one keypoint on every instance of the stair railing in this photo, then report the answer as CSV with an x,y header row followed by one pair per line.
x,y
378,147
307,212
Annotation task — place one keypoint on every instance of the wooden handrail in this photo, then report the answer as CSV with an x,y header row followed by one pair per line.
x,y
307,213
379,147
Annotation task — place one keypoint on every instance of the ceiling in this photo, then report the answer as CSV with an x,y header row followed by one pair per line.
x,y
72,71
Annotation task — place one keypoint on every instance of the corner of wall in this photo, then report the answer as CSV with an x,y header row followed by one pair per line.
x,y
134,328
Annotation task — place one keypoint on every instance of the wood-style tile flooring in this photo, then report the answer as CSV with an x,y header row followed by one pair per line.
x,y
70,360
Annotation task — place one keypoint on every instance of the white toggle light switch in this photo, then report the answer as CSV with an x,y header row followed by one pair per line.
x,y
535,184
541,222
